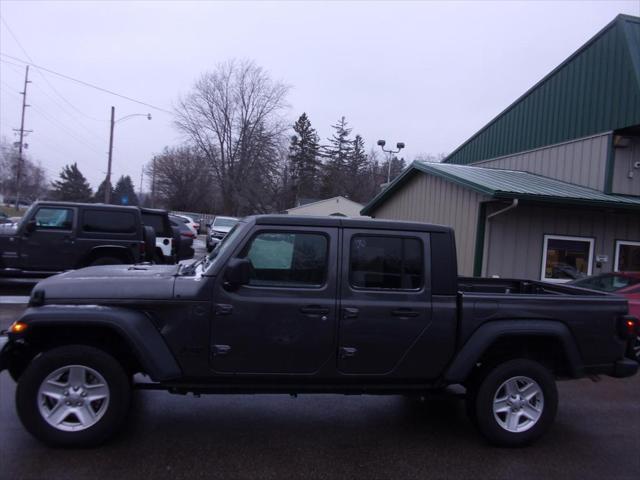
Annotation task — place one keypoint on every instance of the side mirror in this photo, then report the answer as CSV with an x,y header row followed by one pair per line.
x,y
238,272
30,226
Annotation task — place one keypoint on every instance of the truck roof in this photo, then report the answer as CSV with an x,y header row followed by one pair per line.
x,y
87,205
314,221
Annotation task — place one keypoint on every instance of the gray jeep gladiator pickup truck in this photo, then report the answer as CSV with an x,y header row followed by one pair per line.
x,y
308,305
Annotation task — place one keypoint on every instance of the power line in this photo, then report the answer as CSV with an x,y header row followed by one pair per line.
x,y
71,133
87,84
41,74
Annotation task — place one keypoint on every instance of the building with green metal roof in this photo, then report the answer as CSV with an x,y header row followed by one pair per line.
x,y
550,188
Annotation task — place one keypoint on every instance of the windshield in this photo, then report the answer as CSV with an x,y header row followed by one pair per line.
x,y
200,266
224,222
607,283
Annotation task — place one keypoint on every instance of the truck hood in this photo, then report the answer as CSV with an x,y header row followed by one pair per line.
x,y
110,282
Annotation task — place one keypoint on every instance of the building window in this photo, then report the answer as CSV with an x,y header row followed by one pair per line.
x,y
566,258
627,256
287,259
386,263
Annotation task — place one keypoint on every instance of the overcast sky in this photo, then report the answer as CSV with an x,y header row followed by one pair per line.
x,y
426,73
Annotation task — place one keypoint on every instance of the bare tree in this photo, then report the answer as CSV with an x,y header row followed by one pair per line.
x,y
233,117
180,179
34,183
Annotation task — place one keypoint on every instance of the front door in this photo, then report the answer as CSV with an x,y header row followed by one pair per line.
x,y
385,299
283,321
49,247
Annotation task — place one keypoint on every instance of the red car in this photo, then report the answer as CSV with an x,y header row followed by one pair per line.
x,y
626,284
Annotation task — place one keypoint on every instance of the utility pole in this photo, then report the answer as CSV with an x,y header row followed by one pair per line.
x,y
141,176
22,130
107,186
153,184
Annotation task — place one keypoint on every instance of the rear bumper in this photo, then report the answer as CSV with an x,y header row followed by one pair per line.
x,y
625,367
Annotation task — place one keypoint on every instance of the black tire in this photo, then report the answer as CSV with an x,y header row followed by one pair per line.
x,y
119,396
106,261
481,395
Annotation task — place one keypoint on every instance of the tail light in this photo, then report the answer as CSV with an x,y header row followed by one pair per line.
x,y
143,248
628,326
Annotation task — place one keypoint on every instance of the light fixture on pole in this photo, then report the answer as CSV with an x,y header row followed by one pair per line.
x,y
399,146
107,185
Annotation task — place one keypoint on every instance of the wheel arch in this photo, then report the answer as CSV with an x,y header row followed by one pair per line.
x,y
128,335
116,251
541,340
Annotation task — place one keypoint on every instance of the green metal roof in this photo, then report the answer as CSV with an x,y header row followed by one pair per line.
x,y
596,90
499,183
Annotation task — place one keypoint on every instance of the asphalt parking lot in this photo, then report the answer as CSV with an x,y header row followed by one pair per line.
x,y
596,435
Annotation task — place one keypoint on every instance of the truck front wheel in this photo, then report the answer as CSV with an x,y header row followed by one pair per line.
x,y
514,403
73,396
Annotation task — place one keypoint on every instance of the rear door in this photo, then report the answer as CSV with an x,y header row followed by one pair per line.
x,y
385,299
283,321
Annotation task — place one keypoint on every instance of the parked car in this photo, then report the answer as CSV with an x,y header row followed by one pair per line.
x,y
190,223
295,305
56,236
218,230
185,237
625,284
165,251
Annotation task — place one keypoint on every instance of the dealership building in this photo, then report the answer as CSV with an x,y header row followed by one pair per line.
x,y
550,188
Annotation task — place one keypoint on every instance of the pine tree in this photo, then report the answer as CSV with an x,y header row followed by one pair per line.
x,y
124,193
337,155
357,171
72,186
99,195
304,165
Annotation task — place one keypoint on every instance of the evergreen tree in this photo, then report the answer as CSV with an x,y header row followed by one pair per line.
x,y
304,164
124,193
357,171
337,155
99,196
72,186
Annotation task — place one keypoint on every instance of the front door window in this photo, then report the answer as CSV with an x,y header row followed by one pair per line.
x,y
566,258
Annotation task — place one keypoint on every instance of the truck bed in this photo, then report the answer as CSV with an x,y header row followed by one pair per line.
x,y
519,287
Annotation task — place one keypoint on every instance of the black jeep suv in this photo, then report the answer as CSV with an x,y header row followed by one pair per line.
x,y
57,236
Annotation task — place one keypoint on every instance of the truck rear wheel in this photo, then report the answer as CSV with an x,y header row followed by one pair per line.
x,y
514,403
73,396
106,261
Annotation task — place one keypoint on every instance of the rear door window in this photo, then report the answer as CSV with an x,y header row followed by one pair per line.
x,y
108,221
381,262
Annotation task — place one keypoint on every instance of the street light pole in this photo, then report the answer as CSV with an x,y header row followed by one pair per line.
x,y
399,146
107,184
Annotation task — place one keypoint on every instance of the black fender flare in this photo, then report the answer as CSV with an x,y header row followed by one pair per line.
x,y
489,332
142,337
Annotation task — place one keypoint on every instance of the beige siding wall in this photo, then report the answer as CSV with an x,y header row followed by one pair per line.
x,y
515,240
582,162
624,161
425,198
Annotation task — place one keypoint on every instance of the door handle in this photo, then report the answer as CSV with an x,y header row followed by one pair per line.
x,y
404,312
314,310
350,312
348,352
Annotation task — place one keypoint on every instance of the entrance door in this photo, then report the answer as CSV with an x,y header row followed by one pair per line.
x,y
385,299
49,247
284,320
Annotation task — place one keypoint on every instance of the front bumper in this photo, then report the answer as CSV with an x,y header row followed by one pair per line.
x,y
4,341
